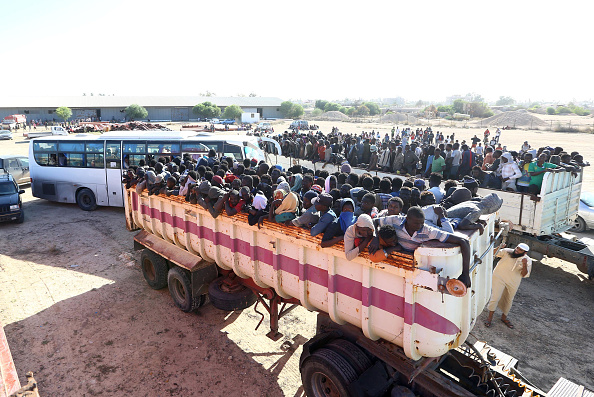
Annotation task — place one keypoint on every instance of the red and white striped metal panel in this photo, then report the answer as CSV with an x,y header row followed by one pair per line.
x,y
398,302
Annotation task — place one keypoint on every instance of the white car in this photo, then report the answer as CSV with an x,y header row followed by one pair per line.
x,y
5,134
585,218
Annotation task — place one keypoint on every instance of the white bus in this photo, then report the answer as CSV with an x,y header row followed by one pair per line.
x,y
87,169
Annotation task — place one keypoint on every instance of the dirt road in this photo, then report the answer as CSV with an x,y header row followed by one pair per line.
x,y
78,313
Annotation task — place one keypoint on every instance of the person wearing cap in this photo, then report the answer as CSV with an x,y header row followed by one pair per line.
x,y
513,266
509,172
373,157
323,204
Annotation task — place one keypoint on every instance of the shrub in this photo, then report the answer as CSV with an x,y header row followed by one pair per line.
x,y
563,110
233,112
317,112
207,110
135,111
551,110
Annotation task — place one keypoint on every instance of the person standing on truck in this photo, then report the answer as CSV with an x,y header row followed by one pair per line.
x,y
412,231
514,265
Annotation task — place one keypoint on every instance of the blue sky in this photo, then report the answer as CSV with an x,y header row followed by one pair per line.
x,y
536,50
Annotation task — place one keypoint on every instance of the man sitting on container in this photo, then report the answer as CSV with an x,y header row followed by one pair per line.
x,y
323,203
358,236
388,241
412,231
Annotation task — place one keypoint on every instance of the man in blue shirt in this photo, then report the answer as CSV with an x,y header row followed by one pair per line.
x,y
323,203
412,232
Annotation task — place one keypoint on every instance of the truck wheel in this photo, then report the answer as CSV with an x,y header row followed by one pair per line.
x,y
327,373
154,269
180,289
355,356
21,218
579,225
85,199
224,299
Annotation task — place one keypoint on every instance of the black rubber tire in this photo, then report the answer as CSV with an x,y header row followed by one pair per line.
x,y
85,198
154,269
180,289
22,217
353,354
580,225
227,301
327,369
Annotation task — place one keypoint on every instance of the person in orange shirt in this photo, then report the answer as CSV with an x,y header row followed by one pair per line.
x,y
322,151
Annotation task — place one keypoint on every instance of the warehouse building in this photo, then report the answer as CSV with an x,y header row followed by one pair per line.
x,y
111,108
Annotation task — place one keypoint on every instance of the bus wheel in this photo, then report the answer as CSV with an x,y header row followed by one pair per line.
x,y
86,200
154,269
327,373
223,297
180,289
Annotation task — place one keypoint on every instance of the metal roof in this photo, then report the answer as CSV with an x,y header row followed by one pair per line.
x,y
124,101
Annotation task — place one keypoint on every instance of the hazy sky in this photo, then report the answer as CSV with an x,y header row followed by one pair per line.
x,y
536,50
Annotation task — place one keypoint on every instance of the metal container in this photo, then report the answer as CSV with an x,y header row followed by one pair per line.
x,y
403,300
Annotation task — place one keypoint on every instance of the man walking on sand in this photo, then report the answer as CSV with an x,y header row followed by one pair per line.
x,y
514,265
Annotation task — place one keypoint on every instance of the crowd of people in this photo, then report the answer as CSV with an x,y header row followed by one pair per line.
x,y
421,152
433,192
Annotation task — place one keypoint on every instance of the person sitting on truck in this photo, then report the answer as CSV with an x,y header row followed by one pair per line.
x,y
395,205
310,216
358,236
171,187
467,213
514,265
233,202
323,204
215,201
412,231
334,233
537,170
509,172
388,241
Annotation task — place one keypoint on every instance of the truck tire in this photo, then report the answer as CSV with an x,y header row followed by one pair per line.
x,y
355,356
327,373
180,289
154,269
230,301
85,198
21,218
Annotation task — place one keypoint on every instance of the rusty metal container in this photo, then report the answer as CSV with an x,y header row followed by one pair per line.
x,y
403,300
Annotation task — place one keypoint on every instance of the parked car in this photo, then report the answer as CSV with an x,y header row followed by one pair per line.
x,y
5,134
11,205
585,218
228,121
17,166
215,121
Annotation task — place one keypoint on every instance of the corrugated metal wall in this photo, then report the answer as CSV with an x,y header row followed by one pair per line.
x,y
108,114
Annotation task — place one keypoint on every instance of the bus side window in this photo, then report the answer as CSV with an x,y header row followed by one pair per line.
x,y
94,155
44,153
113,156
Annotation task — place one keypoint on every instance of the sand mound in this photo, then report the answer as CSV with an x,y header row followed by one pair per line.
x,y
398,118
517,118
333,116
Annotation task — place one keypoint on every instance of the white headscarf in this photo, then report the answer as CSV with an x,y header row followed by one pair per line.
x,y
260,202
184,190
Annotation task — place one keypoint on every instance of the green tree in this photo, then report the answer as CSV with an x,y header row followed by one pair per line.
x,y
135,111
448,109
321,104
332,107
64,112
563,110
291,110
362,111
551,110
373,108
317,112
459,105
233,112
351,111
207,110
505,101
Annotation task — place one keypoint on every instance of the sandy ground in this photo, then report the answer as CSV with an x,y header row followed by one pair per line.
x,y
78,313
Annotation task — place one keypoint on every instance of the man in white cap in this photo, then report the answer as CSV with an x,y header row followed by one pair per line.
x,y
514,265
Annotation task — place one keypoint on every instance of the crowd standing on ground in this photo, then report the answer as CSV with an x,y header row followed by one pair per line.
x,y
433,191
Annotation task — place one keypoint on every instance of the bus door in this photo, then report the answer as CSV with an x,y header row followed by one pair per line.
x,y
113,173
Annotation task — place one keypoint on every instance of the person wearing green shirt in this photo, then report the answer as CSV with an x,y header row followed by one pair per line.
x,y
438,164
536,170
